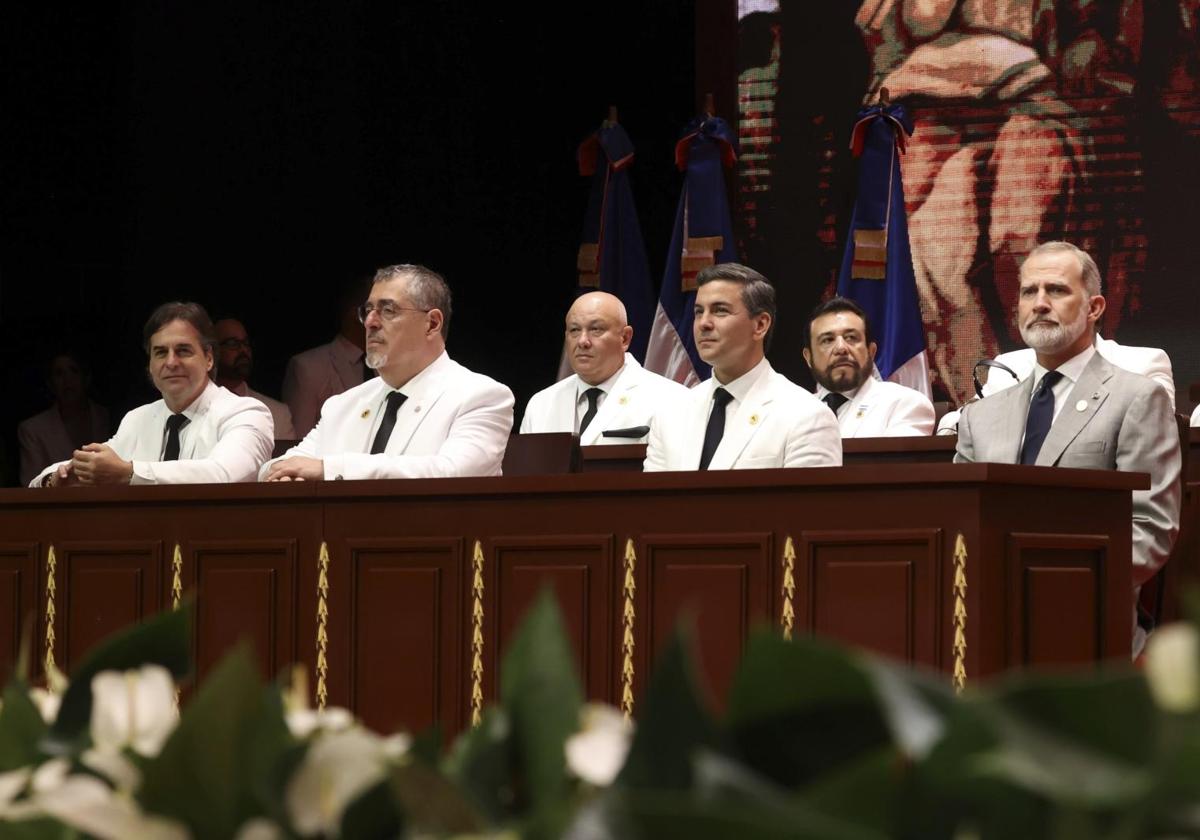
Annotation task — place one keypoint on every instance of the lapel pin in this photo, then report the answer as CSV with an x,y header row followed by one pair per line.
x,y
623,401
1081,405
753,419
417,409
366,413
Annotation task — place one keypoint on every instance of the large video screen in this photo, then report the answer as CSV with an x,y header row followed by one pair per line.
x,y
1034,120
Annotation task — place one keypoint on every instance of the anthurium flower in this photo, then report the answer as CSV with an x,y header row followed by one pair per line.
x,y
338,767
597,752
1173,667
134,709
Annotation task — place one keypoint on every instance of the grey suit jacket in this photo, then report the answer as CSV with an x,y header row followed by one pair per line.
x,y
1126,423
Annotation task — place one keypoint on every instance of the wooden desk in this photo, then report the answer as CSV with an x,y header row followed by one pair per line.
x,y
865,554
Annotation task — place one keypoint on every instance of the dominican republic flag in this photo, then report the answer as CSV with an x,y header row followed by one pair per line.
x,y
612,256
703,236
877,270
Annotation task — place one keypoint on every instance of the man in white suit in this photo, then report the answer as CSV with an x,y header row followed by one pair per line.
x,y
609,398
841,355
197,433
424,416
746,416
1078,409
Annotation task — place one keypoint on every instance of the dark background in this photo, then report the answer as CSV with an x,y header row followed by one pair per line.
x,y
250,156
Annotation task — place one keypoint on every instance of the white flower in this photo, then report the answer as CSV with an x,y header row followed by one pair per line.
x,y
114,766
12,783
304,721
47,703
259,828
338,767
597,752
87,804
1172,667
133,709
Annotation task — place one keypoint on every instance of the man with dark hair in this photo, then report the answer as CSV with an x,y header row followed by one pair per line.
x,y
841,355
1078,409
235,363
424,416
197,433
319,373
746,416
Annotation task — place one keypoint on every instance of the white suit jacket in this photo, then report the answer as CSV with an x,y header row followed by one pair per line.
x,y
281,415
226,440
453,423
884,409
778,424
635,396
44,439
315,375
1126,424
1196,416
1147,361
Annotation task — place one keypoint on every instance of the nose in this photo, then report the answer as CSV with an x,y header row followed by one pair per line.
x,y
704,321
373,319
840,347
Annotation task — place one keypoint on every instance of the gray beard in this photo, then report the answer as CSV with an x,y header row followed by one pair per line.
x,y
1048,339
376,360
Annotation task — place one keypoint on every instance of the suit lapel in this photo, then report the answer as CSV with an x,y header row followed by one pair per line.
x,y
856,411
1009,408
618,396
744,424
1089,391
414,411
562,405
356,433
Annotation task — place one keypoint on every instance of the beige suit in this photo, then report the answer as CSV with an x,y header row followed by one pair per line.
x,y
1126,424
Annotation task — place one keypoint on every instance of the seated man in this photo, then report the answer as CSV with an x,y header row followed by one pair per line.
x,y
1078,409
746,416
197,433
610,398
424,416
841,355
235,363
72,421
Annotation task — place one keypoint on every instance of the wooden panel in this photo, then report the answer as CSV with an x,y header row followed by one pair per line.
x,y
103,586
720,583
246,591
876,589
1055,595
407,655
579,571
18,602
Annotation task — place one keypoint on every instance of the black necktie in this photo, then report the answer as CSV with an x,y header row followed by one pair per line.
x,y
835,401
1041,415
593,398
394,401
716,426
174,423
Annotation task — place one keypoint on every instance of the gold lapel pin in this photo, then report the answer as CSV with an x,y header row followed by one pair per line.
x,y
753,419
623,401
366,413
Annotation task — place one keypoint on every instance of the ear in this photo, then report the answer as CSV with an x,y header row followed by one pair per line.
x,y
1096,306
872,348
807,357
762,323
435,323
626,336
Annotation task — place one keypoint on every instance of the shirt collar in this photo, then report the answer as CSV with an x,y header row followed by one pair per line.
x,y
606,386
416,386
740,387
199,405
1071,369
822,391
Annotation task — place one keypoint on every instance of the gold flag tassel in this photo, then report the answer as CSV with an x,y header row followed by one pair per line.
x,y
176,578
628,617
51,586
960,614
788,617
477,635
322,626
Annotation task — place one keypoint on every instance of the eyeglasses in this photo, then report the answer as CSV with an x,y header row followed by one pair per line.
x,y
387,310
234,343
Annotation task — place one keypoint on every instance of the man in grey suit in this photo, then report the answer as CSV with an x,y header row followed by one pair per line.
x,y
1079,410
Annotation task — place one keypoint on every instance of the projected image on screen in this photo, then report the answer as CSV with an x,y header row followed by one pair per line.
x,y
1035,120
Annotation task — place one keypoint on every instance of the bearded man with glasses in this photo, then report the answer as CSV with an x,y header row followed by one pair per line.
x,y
424,416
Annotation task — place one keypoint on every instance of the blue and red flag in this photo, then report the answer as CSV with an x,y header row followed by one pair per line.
x,y
612,255
877,269
703,236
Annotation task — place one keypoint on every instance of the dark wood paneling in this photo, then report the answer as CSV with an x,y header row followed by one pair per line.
x,y
873,588
579,571
103,586
1055,595
718,583
406,637
246,590
18,601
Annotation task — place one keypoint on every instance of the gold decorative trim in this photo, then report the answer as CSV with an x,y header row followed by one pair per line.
x,y
176,578
787,617
322,625
628,617
477,635
51,588
960,614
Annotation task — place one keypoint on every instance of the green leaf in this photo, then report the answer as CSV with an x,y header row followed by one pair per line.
x,y
21,728
481,762
204,775
373,815
540,692
163,639
39,829
672,725
797,709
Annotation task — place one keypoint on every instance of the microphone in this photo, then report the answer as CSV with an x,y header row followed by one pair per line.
x,y
992,363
